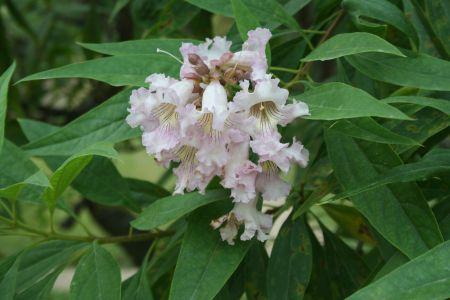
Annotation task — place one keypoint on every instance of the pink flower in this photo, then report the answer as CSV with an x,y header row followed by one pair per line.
x,y
253,53
240,173
269,183
255,223
269,148
267,106
211,52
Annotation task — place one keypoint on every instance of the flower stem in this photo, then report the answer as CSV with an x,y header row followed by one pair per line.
x,y
282,69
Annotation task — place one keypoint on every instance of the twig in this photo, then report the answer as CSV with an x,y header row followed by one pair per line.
x,y
304,70
101,240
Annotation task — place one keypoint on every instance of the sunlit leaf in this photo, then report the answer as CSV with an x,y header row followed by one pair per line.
x,y
351,43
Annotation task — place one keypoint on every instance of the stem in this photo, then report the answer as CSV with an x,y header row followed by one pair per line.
x,y
302,71
101,240
282,69
313,31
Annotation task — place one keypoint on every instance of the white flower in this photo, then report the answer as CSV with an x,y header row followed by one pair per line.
x,y
240,173
267,105
254,221
253,53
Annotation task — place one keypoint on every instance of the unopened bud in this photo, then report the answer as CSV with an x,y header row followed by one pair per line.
x,y
194,58
200,67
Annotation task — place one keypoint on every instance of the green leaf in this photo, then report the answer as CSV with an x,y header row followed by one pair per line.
x,y
369,130
437,13
381,10
350,221
34,130
170,208
118,6
145,192
44,258
38,179
395,261
18,16
255,271
104,123
333,101
205,262
428,122
116,70
245,20
4,83
346,269
259,7
41,289
435,161
398,212
290,262
223,7
96,277
138,47
71,168
425,277
137,287
351,43
8,283
17,172
423,71
102,183
270,11
439,104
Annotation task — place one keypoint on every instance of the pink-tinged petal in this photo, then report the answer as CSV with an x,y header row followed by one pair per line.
x,y
214,98
268,90
160,139
293,111
243,182
142,101
159,81
229,232
188,116
219,47
254,221
267,144
189,179
213,154
297,153
253,53
257,40
215,101
265,90
272,187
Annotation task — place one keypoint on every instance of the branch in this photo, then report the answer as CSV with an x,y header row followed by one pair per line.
x,y
101,240
304,70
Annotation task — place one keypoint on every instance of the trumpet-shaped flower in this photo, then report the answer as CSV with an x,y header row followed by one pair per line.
x,y
254,221
267,106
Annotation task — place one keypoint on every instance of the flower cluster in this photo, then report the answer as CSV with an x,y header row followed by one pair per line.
x,y
223,111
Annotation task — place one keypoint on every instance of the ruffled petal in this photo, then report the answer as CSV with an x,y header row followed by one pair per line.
x,y
142,101
293,111
272,187
162,138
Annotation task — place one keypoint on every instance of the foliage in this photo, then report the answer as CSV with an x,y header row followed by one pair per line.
x,y
369,216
